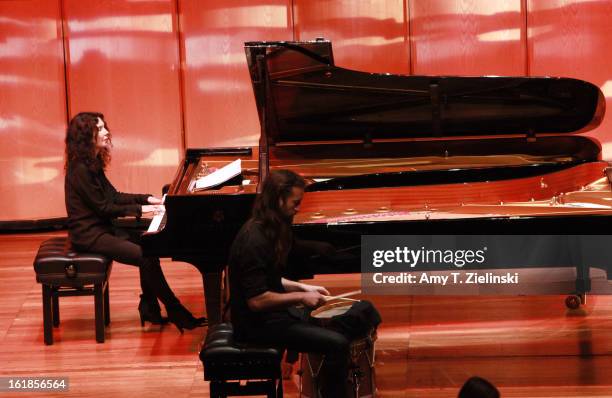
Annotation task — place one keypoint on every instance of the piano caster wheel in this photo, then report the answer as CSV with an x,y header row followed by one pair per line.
x,y
574,301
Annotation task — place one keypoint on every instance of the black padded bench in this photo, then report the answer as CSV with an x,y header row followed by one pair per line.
x,y
228,364
64,272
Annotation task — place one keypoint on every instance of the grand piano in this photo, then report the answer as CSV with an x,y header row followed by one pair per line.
x,y
392,154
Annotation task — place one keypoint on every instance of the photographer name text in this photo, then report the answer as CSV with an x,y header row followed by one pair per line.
x,y
421,278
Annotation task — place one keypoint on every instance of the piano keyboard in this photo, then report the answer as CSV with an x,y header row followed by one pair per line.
x,y
158,222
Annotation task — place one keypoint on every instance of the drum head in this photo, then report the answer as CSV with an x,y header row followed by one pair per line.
x,y
331,309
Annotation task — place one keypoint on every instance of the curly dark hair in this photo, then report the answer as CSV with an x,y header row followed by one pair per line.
x,y
266,210
81,142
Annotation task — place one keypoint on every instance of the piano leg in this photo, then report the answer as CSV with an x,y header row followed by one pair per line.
x,y
579,252
212,287
583,278
211,282
212,296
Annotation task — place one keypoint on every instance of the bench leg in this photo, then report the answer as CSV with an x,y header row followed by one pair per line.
x,y
217,390
55,309
106,305
279,390
47,321
271,389
99,310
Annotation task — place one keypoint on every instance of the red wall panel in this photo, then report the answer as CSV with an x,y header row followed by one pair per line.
x,y
219,105
123,61
366,35
467,37
32,110
572,38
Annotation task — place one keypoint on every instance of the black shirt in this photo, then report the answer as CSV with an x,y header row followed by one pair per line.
x,y
92,202
252,272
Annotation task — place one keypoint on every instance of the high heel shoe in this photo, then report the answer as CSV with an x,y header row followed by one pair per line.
x,y
180,317
150,311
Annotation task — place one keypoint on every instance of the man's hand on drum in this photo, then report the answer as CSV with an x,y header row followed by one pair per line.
x,y
294,286
313,299
314,288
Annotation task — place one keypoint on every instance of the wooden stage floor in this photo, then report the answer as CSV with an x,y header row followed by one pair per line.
x,y
427,347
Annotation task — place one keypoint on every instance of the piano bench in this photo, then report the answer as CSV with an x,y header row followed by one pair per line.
x,y
227,364
64,272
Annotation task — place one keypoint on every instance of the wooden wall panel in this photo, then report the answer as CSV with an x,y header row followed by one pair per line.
x,y
467,37
366,35
32,110
572,38
124,62
219,105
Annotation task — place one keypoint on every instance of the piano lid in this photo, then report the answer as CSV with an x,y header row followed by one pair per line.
x,y
305,97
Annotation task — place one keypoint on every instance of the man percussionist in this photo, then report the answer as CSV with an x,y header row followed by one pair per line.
x,y
263,302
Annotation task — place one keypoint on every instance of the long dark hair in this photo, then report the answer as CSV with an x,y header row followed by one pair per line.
x,y
278,185
81,142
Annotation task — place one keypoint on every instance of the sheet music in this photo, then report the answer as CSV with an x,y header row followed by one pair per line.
x,y
219,176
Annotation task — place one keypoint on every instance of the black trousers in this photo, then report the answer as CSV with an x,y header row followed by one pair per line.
x,y
152,280
304,337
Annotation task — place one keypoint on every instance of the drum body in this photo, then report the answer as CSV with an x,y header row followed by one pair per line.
x,y
360,379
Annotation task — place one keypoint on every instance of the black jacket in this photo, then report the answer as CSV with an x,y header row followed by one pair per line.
x,y
92,203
